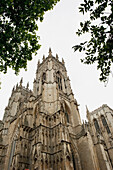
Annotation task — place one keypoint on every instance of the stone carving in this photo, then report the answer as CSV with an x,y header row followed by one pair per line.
x,y
44,129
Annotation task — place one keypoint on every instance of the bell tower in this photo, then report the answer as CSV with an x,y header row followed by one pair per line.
x,y
57,115
53,86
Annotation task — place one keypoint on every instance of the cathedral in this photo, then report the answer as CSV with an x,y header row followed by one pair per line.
x,y
42,129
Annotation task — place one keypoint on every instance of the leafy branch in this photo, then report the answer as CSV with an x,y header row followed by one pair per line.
x,y
18,31
99,48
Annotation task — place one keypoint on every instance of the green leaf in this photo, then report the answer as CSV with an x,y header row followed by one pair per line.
x,y
18,26
99,48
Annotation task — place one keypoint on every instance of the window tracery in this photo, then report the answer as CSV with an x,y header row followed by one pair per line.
x,y
67,116
104,122
59,80
96,125
65,83
43,78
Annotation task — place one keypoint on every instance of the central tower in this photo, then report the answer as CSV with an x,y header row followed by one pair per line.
x,y
56,116
52,86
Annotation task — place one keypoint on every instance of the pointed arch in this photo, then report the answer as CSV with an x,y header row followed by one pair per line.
x,y
65,107
73,159
104,122
75,156
96,125
43,77
59,80
67,117
67,111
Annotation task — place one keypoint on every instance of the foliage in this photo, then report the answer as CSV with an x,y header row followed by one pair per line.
x,y
18,39
100,27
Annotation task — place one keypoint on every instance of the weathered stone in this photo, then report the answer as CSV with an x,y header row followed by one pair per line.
x,y
42,129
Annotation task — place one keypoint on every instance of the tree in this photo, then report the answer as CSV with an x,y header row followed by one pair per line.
x,y
100,27
18,38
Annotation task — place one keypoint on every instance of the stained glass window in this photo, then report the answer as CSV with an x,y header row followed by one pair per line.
x,y
104,122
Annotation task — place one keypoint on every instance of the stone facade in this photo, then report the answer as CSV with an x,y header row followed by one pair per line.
x,y
42,129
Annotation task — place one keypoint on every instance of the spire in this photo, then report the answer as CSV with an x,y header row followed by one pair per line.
x,y
57,56
27,85
17,86
83,124
63,61
50,52
21,81
87,113
13,89
38,62
87,109
43,57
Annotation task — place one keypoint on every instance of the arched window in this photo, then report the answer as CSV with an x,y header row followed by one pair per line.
x,y
65,83
59,80
67,116
43,78
73,159
104,122
96,125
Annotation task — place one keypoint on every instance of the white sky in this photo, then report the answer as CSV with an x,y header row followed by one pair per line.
x,y
58,32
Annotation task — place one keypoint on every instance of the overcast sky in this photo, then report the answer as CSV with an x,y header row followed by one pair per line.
x,y
58,32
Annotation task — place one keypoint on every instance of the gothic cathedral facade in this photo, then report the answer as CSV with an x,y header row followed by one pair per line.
x,y
42,129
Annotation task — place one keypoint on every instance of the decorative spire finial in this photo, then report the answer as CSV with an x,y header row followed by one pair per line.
x,y
83,124
87,112
21,81
17,86
63,61
57,56
87,109
27,85
43,57
13,89
38,62
50,52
